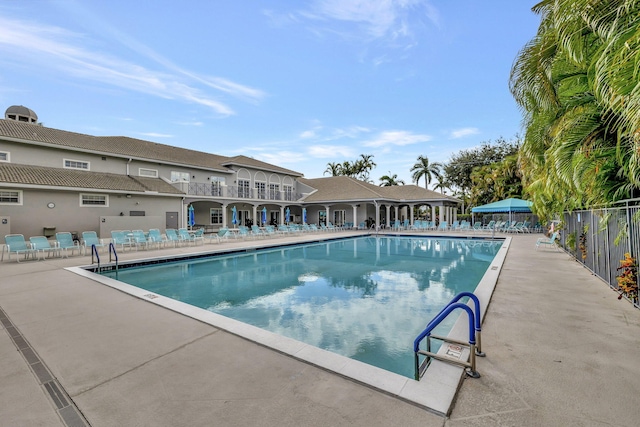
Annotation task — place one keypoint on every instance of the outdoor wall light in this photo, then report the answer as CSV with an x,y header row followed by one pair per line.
x,y
128,196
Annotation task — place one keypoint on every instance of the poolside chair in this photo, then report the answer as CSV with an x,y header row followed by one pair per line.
x,y
172,236
489,226
443,226
283,229
185,236
65,243
548,241
222,234
156,237
42,245
139,239
89,239
15,243
122,238
270,230
477,226
256,231
243,232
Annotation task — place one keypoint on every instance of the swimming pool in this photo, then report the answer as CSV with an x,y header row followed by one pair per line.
x,y
365,298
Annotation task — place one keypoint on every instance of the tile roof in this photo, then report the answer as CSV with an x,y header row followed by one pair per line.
x,y
129,147
12,173
343,188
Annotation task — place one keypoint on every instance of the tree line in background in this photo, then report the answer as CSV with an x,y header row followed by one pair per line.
x,y
578,85
477,176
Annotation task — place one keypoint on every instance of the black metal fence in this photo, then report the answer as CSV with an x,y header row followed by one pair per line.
x,y
600,238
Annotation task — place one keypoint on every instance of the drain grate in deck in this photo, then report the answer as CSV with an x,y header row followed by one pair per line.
x,y
66,408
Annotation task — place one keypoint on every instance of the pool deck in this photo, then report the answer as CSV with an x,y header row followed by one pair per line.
x,y
562,350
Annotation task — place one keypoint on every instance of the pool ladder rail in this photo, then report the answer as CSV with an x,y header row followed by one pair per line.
x,y
112,250
474,345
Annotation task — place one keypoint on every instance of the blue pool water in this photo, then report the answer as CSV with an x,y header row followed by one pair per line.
x,y
366,298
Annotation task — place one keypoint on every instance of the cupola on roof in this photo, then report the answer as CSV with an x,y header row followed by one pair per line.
x,y
21,113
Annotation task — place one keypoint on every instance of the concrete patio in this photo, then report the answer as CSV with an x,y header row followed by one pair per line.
x,y
562,350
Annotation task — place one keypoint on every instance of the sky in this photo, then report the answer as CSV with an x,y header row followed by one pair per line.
x,y
299,84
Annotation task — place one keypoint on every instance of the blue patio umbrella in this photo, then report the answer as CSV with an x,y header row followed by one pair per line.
x,y
287,213
304,215
192,218
264,216
234,215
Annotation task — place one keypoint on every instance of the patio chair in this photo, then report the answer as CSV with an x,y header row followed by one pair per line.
x,y
139,239
41,244
156,237
172,236
89,239
443,226
314,227
270,230
185,236
256,231
548,241
122,238
65,243
222,234
283,229
15,243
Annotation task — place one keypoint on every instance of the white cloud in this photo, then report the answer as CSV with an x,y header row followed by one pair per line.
x,y
282,157
397,138
56,49
461,133
392,19
330,151
156,134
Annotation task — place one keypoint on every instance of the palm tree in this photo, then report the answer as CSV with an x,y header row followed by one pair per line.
x,y
333,169
578,87
423,168
390,180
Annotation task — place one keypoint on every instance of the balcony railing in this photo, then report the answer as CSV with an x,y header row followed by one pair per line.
x,y
209,189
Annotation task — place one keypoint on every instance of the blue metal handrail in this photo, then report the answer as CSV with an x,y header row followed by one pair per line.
x,y
94,250
474,334
112,248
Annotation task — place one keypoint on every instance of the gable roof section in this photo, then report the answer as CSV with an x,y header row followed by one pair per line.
x,y
344,188
245,161
129,147
11,173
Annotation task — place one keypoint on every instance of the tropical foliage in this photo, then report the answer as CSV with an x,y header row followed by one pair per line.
x,y
390,180
359,169
427,170
485,161
577,83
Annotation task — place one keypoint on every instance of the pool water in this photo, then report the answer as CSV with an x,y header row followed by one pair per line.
x,y
366,298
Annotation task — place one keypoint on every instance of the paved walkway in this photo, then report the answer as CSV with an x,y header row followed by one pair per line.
x,y
561,351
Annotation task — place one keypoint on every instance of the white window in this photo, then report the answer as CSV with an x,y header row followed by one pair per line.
x,y
288,192
261,190
151,173
94,200
10,197
180,176
76,164
274,191
243,188
4,156
216,216
216,185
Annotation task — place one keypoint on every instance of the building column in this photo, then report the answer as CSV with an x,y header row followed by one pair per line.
x,y
387,220
411,214
433,214
328,218
355,215
281,215
224,215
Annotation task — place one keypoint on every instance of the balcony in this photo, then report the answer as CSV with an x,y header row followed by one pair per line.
x,y
214,190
